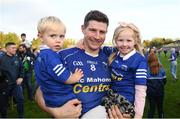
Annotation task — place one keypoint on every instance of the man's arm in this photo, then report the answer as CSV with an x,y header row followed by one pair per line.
x,y
71,109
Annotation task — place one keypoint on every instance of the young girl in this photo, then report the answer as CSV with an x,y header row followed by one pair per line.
x,y
156,79
128,66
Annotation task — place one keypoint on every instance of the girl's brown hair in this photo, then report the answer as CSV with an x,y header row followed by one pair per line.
x,y
153,63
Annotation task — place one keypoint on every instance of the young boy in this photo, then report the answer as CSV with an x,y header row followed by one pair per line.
x,y
51,74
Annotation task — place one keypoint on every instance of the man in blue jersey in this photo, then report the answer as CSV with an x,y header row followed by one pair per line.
x,y
93,86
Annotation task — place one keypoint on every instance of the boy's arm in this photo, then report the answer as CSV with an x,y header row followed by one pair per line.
x,y
75,77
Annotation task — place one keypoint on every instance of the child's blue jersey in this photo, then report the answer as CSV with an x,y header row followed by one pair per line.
x,y
96,81
51,74
126,72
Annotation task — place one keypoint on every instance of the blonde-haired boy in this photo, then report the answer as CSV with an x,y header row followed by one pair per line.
x,y
51,74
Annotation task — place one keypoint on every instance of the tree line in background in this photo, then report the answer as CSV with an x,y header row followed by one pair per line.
x,y
13,37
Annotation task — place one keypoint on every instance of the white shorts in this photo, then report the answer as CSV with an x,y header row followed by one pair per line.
x,y
98,112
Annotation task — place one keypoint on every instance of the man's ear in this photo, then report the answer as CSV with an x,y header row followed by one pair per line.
x,y
82,28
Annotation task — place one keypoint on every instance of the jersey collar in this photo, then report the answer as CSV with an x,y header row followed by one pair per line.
x,y
125,57
91,54
43,47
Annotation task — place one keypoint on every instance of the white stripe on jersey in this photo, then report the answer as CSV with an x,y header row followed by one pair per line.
x,y
157,77
56,67
143,70
138,73
61,71
141,76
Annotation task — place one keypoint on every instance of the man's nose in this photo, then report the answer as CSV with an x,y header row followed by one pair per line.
x,y
97,35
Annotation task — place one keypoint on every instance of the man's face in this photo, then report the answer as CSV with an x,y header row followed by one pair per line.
x,y
21,49
94,35
11,49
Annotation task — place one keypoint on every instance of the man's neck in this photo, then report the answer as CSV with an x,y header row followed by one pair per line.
x,y
9,54
93,53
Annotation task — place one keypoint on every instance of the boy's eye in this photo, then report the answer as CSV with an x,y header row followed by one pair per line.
x,y
61,36
53,36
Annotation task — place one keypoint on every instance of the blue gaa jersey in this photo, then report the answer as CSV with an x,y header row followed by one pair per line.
x,y
96,81
126,72
51,74
155,83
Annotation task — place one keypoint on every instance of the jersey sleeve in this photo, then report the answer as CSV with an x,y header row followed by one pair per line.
x,y
108,50
57,69
141,73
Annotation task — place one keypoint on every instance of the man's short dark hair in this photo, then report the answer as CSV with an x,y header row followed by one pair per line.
x,y
9,44
23,34
97,16
22,45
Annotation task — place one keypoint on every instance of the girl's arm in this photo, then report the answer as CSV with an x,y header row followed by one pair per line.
x,y
140,97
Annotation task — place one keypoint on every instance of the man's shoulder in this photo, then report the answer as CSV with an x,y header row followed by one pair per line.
x,y
69,51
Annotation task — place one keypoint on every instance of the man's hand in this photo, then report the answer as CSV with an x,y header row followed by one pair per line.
x,y
19,81
115,113
71,109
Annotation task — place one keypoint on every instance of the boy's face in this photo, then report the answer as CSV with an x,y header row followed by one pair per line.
x,y
53,37
23,38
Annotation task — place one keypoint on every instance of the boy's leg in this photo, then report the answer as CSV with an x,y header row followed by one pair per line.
x,y
98,112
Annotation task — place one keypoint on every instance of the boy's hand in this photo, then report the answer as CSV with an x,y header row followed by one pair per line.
x,y
75,77
78,74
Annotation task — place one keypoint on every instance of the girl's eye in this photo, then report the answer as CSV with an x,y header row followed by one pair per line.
x,y
119,40
128,40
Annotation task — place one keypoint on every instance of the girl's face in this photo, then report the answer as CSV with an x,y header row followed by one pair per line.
x,y
125,42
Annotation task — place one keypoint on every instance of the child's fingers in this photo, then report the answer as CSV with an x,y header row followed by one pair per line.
x,y
79,70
